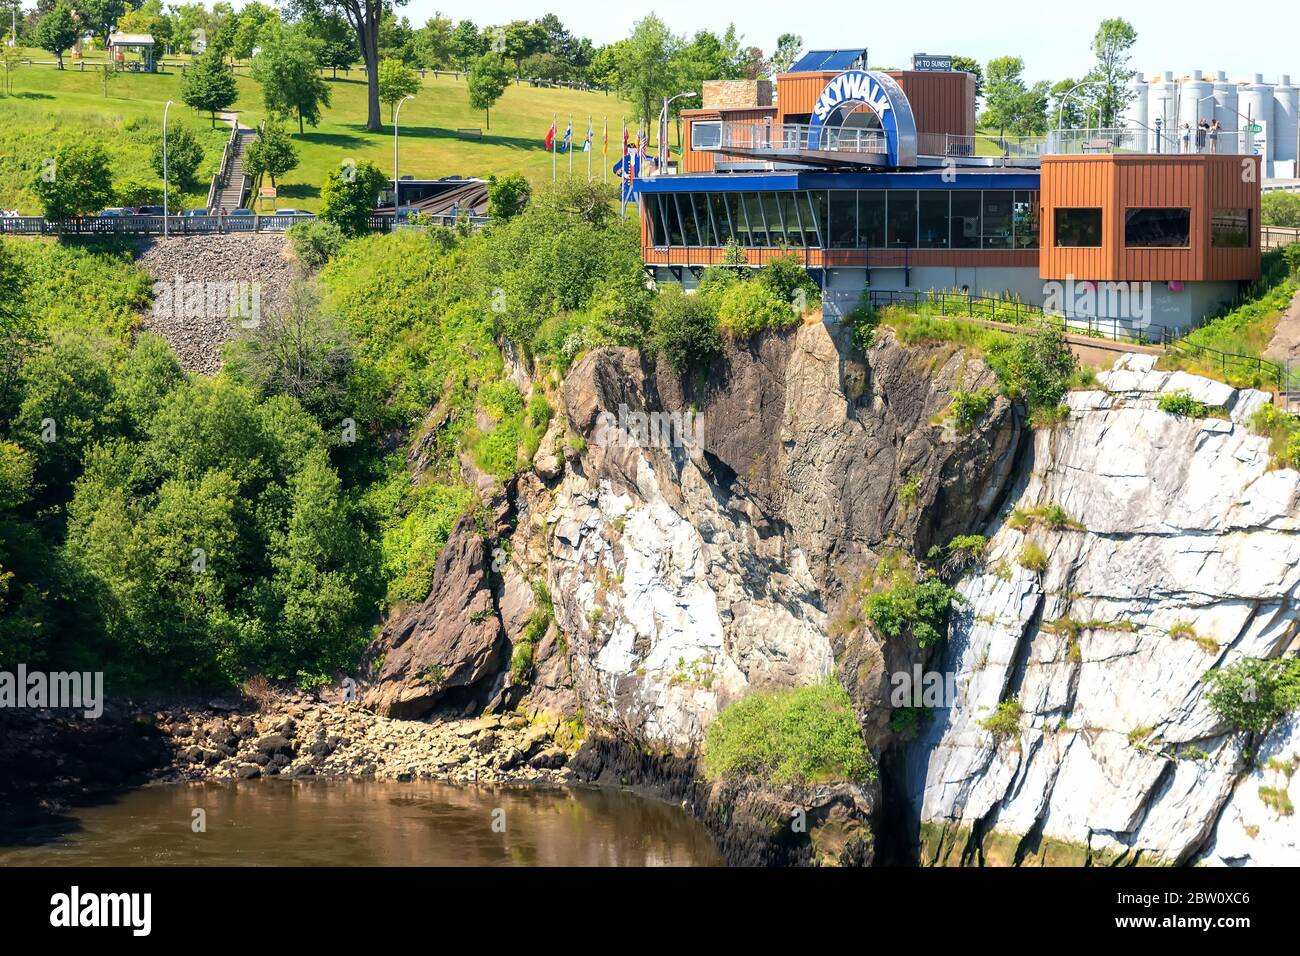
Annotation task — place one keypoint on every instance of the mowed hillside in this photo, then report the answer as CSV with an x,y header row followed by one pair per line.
x,y
49,107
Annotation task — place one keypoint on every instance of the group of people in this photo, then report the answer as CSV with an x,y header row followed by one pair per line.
x,y
1205,130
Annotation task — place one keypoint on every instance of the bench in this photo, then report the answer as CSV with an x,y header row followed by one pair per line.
x,y
474,131
1097,146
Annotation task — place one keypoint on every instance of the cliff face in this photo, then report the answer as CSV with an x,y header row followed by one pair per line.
x,y
1117,756
686,573
702,538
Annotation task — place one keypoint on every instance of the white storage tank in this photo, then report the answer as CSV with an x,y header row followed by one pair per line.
x,y
1255,103
1162,104
1225,110
1195,103
1135,113
1282,135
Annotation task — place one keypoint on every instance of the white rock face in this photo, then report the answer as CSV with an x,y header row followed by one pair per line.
x,y
679,631
1118,756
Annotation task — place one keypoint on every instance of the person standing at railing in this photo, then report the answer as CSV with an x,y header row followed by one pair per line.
x,y
1202,128
1214,136
1187,138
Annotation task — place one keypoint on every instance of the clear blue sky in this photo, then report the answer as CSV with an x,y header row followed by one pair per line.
x,y
1051,36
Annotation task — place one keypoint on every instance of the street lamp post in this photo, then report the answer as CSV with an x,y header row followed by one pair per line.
x,y
663,128
1060,107
397,115
166,210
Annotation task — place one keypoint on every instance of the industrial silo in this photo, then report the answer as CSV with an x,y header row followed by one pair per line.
x,y
1195,103
1282,136
1255,104
1225,110
1162,105
1135,115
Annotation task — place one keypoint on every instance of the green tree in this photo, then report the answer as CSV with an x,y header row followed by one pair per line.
x,y
788,46
1004,93
646,70
1253,692
487,81
337,44
286,66
467,44
250,23
100,16
272,153
1069,112
79,181
1112,46
508,195
209,85
967,64
396,82
184,155
56,32
364,17
518,40
349,196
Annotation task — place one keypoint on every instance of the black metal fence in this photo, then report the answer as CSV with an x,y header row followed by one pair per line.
x,y
200,225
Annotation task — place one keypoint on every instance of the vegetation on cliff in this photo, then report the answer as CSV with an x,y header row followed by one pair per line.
x,y
802,737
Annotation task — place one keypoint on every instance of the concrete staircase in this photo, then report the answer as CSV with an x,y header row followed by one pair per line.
x,y
229,189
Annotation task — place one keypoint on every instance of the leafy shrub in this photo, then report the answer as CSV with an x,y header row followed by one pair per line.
x,y
1283,433
968,407
508,195
863,321
790,282
751,307
1032,558
1037,367
970,545
684,329
1182,404
1280,209
1253,692
316,243
920,608
800,737
1004,722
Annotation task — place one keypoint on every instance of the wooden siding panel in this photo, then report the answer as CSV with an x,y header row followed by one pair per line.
x,y
941,102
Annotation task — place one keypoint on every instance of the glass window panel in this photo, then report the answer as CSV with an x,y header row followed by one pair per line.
x,y
1025,220
900,214
1158,228
1077,228
871,219
757,225
817,203
659,235
775,226
706,134
673,220
844,218
707,236
689,236
966,219
1230,229
738,222
997,218
794,217
933,219
720,222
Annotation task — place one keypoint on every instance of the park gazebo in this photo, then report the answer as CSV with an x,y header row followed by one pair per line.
x,y
119,44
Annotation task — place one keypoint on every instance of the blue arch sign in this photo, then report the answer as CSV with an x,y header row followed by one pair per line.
x,y
880,93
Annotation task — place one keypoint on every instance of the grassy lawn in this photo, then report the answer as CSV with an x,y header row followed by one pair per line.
x,y
49,107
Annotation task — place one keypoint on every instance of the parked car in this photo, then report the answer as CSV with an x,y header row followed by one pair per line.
x,y
292,212
150,211
239,212
114,212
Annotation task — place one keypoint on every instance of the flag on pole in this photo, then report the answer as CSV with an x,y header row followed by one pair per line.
x,y
624,167
550,136
605,152
586,146
641,142
568,137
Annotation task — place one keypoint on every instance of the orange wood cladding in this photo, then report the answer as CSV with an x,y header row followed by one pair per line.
x,y
1116,182
941,102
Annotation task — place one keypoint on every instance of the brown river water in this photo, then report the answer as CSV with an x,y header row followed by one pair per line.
x,y
364,823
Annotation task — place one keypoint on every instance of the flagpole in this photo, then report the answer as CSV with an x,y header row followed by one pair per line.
x,y
589,145
555,122
605,153
570,145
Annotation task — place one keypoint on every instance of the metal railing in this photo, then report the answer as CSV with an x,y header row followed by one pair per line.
x,y
989,147
1275,237
1071,142
794,137
223,169
203,225
1284,381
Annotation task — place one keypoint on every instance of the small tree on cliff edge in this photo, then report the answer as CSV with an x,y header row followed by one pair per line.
x,y
488,79
349,195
